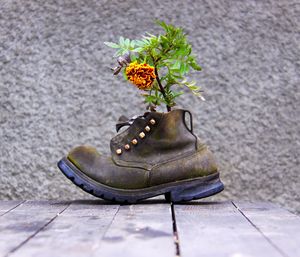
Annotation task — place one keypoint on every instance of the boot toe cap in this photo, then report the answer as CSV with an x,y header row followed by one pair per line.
x,y
83,157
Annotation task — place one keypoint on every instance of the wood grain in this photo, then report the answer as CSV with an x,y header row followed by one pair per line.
x,y
140,230
99,228
23,222
76,232
218,229
279,226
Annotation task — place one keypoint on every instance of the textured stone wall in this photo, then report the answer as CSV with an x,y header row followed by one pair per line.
x,y
56,89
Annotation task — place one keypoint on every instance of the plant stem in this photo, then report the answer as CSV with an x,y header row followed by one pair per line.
x,y
162,90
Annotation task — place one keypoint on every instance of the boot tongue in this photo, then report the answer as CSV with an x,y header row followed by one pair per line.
x,y
124,121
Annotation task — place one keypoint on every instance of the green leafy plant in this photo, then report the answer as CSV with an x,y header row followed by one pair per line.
x,y
168,56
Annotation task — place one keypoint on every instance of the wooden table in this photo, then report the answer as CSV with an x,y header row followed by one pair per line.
x,y
151,228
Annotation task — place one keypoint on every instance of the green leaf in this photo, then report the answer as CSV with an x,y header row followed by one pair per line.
x,y
133,57
176,94
193,88
183,68
122,41
112,45
150,98
132,44
138,50
194,64
184,81
176,66
154,99
139,43
120,52
193,83
124,74
127,43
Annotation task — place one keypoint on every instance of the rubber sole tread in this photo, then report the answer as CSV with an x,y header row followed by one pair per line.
x,y
184,191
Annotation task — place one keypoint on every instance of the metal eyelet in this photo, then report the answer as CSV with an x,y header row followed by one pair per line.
x,y
142,135
127,146
134,141
119,151
152,121
147,128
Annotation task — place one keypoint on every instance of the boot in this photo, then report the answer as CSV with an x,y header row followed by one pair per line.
x,y
157,154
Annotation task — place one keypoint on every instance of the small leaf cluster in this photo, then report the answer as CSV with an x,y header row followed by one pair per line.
x,y
171,56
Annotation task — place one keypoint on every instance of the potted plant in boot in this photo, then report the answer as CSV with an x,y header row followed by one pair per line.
x,y
158,153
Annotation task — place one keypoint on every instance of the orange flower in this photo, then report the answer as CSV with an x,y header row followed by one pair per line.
x,y
141,75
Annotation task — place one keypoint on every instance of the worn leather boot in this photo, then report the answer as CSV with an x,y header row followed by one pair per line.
x,y
157,154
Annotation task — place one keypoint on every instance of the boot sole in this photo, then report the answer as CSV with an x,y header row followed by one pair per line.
x,y
179,191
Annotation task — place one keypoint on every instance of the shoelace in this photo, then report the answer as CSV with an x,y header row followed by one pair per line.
x,y
124,121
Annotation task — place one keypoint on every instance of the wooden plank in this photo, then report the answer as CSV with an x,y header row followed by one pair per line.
x,y
23,222
7,206
90,229
140,230
280,226
76,232
218,229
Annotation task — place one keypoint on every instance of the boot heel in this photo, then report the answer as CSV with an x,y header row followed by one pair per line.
x,y
194,190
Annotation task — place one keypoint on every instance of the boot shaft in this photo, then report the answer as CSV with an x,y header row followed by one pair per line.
x,y
153,139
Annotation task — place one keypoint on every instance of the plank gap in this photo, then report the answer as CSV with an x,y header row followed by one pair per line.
x,y
175,231
111,222
213,228
12,208
257,228
36,232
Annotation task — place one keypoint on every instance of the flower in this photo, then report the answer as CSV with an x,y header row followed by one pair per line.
x,y
141,75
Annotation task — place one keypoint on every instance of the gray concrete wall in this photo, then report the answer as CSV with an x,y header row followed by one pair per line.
x,y
56,89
